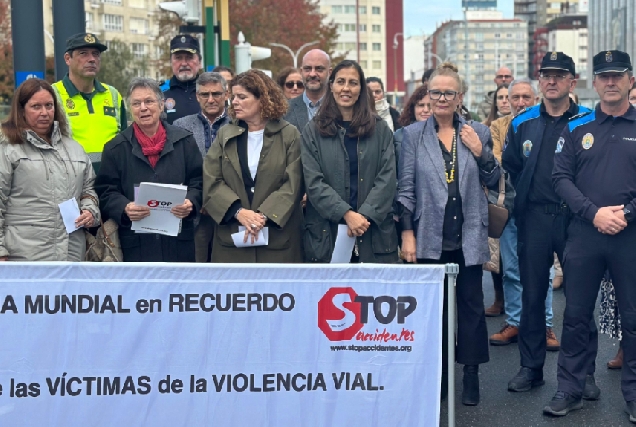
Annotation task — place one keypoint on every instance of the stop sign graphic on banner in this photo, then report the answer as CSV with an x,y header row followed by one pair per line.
x,y
339,314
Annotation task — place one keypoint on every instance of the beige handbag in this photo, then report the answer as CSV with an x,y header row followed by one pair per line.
x,y
493,263
105,245
497,212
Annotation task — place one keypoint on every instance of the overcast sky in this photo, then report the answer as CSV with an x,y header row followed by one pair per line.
x,y
423,16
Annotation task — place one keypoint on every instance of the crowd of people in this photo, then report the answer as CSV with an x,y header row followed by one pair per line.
x,y
319,149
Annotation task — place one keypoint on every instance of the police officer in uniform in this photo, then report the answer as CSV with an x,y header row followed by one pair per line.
x,y
95,110
179,92
540,214
594,174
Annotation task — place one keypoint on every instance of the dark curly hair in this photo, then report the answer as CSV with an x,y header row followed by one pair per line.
x,y
271,97
284,73
408,114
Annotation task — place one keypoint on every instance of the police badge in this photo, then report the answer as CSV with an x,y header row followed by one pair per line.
x,y
609,57
89,38
553,57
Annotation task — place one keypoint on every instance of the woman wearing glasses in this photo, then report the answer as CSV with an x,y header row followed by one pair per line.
x,y
291,82
443,165
150,150
252,177
349,169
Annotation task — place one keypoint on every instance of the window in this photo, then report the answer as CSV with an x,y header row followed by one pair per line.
x,y
362,28
376,28
509,35
139,50
349,27
141,4
497,35
350,9
362,10
363,46
375,10
112,1
336,9
376,65
350,46
113,22
363,64
377,47
89,21
138,26
479,37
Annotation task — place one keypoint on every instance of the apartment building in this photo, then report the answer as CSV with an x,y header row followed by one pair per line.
x,y
569,34
371,32
134,22
479,46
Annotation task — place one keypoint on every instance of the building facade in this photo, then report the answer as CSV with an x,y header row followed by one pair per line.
x,y
134,22
612,25
368,30
479,47
569,34
537,13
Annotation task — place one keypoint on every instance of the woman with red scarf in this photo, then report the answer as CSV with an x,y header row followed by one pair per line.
x,y
150,150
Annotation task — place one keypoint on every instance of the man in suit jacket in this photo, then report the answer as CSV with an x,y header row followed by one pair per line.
x,y
315,70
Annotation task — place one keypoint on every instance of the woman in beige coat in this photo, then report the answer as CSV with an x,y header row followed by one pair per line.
x,y
252,176
41,167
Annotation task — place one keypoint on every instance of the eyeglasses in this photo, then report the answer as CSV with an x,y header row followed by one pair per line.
x,y
290,84
555,77
148,102
504,76
206,95
436,95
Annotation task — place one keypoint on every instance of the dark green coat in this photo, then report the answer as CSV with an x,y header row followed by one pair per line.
x,y
326,173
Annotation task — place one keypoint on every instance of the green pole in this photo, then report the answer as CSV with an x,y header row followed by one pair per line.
x,y
210,39
224,40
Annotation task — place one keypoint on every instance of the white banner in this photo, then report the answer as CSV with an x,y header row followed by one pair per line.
x,y
219,345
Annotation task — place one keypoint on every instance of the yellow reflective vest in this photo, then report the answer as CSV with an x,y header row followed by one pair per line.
x,y
93,119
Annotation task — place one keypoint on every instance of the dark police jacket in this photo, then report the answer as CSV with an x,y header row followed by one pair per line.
x,y
521,151
180,98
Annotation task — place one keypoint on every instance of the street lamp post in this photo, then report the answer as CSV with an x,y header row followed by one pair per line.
x,y
395,76
292,53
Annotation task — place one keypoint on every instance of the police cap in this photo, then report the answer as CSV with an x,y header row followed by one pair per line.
x,y
558,61
84,40
184,42
612,61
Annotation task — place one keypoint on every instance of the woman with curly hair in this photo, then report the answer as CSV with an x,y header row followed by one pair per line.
x,y
253,176
291,81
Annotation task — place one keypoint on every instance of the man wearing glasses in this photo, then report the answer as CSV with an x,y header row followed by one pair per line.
x,y
315,70
503,76
179,92
594,174
541,215
211,90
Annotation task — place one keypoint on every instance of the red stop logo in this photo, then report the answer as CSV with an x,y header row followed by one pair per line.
x,y
153,203
339,315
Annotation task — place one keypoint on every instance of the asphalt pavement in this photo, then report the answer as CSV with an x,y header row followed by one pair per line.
x,y
501,408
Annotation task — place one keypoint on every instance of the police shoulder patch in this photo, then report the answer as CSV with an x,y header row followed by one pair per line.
x,y
559,146
527,114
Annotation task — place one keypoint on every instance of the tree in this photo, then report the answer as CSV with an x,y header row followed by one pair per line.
x,y
168,23
6,54
118,66
290,22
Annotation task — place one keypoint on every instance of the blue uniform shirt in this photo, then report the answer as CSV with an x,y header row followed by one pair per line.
x,y
594,162
180,99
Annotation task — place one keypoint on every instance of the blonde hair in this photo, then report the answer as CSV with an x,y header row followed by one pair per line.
x,y
448,69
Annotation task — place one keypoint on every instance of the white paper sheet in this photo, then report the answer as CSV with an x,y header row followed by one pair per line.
x,y
344,246
70,212
263,238
160,198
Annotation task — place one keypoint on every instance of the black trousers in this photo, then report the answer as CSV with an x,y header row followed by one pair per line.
x,y
472,333
588,254
542,234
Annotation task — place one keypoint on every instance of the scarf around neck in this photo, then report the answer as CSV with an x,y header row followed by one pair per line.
x,y
151,146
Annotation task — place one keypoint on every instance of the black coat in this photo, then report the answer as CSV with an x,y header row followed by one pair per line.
x,y
124,166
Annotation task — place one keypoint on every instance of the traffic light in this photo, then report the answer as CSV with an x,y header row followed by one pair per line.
x,y
188,10
246,53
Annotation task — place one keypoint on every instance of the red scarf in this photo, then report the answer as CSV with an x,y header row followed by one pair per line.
x,y
151,146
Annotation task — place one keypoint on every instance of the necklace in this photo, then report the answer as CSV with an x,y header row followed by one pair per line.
x,y
450,175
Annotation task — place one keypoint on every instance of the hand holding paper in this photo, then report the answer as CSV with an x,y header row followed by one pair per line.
x,y
241,241
70,212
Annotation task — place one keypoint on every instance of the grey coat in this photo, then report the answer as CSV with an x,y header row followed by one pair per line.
x,y
424,191
195,124
326,173
297,113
